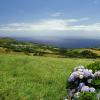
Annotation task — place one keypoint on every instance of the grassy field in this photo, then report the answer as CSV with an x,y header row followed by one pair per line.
x,y
35,78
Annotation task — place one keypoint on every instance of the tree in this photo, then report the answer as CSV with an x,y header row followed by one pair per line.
x,y
88,54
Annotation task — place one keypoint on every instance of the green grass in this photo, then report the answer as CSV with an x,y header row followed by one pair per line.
x,y
35,78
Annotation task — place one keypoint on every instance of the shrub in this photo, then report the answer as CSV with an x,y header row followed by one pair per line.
x,y
87,96
96,83
83,83
94,66
88,54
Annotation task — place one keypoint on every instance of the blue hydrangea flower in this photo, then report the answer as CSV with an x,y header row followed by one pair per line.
x,y
92,89
85,89
81,85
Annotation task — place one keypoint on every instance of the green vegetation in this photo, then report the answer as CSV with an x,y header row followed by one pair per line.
x,y
35,78
32,77
33,49
96,83
87,96
88,54
94,66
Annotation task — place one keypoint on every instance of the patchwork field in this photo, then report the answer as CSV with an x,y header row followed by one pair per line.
x,y
35,78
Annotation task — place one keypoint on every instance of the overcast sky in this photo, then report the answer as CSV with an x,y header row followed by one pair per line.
x,y
50,18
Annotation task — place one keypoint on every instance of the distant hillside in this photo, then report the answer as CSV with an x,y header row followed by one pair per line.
x,y
10,45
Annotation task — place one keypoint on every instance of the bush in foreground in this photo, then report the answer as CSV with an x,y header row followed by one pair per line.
x,y
94,66
86,96
83,84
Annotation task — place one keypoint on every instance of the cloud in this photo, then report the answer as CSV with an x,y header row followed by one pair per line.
x,y
92,27
51,25
57,14
84,19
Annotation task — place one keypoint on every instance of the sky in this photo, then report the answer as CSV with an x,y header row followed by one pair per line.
x,y
50,18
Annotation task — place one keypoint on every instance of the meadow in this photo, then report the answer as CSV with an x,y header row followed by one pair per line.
x,y
25,77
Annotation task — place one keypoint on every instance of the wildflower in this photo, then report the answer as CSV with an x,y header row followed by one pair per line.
x,y
92,89
80,70
81,76
72,92
71,78
77,95
87,73
85,89
90,71
66,99
81,85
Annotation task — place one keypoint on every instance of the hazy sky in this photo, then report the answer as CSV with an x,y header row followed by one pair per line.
x,y
50,18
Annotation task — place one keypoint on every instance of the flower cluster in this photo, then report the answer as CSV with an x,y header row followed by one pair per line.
x,y
80,73
81,79
88,89
83,87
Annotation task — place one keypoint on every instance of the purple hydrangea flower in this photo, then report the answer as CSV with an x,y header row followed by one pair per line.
x,y
92,89
85,89
81,85
87,73
77,94
71,78
72,92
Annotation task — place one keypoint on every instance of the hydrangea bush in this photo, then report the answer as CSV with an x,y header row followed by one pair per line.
x,y
81,82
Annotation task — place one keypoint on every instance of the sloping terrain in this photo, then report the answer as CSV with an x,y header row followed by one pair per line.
x,y
35,78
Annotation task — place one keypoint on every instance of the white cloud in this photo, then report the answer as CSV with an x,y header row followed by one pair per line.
x,y
51,25
57,14
84,19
